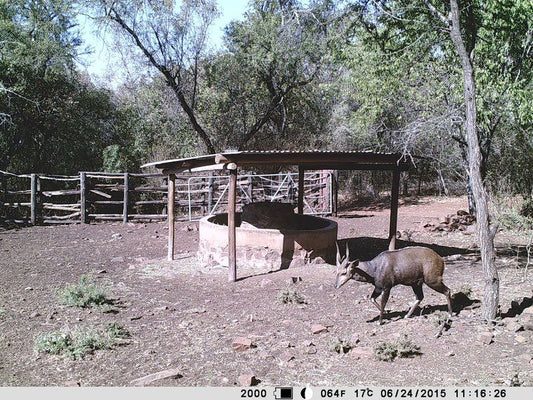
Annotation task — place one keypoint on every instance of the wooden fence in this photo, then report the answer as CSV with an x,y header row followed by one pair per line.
x,y
101,196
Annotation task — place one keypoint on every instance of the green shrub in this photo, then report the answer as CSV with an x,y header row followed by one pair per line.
x,y
466,289
398,348
287,296
78,342
341,346
117,331
439,317
85,294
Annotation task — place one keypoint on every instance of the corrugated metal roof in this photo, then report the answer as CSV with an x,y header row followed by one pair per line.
x,y
315,159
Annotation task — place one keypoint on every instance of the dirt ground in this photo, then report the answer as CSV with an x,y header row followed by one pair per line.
x,y
185,317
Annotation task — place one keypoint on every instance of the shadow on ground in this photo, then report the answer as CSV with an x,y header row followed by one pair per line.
x,y
366,248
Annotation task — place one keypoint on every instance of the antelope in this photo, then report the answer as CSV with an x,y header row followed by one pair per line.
x,y
410,266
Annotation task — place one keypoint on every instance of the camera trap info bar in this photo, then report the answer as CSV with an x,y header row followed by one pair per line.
x,y
281,393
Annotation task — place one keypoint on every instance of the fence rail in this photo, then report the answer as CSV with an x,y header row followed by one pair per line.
x,y
103,196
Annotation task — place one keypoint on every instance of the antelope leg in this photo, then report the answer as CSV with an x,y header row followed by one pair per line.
x,y
375,294
384,300
415,304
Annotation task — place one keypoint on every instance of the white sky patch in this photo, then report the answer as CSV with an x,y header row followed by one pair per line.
x,y
103,62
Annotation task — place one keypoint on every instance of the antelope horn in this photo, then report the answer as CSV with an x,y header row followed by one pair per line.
x,y
347,252
338,254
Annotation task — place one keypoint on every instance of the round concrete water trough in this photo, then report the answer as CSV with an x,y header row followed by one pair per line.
x,y
308,239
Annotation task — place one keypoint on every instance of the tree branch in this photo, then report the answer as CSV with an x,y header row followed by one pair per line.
x,y
435,11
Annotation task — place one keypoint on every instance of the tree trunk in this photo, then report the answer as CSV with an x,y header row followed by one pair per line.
x,y
486,236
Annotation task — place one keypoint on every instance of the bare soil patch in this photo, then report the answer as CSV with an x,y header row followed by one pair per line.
x,y
184,318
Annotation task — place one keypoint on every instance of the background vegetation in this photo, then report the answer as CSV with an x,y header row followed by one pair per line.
x,y
357,75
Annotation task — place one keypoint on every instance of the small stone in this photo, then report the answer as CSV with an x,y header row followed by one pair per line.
x,y
265,355
71,384
514,326
521,339
528,310
355,339
295,279
359,352
241,344
528,325
196,310
35,314
148,379
247,380
102,271
450,354
286,356
317,328
116,236
265,282
286,344
118,259
485,337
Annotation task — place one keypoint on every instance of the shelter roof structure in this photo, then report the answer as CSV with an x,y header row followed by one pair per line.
x,y
231,160
310,160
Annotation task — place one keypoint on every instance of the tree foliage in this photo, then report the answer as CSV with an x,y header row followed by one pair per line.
x,y
54,118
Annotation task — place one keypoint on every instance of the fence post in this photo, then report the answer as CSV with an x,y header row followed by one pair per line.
x,y
33,199
126,190
83,198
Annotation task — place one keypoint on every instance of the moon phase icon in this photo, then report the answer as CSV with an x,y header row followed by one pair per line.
x,y
307,392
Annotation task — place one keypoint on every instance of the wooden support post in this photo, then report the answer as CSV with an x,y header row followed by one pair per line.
x,y
126,193
301,189
170,215
33,199
232,245
395,190
250,188
83,197
5,198
335,192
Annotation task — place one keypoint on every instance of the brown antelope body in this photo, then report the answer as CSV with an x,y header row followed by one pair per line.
x,y
410,266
